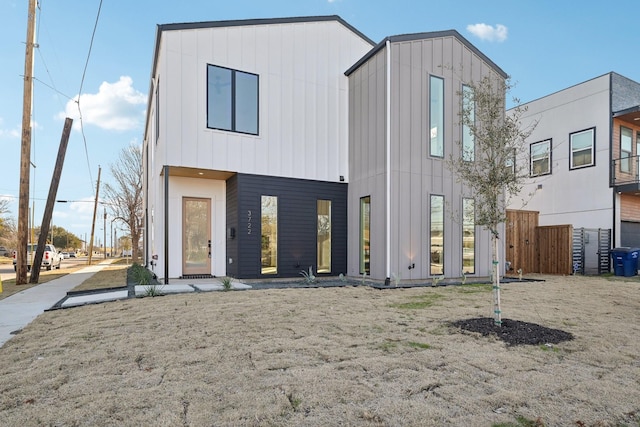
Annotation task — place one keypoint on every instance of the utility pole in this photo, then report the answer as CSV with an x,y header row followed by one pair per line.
x,y
104,237
51,200
93,223
25,151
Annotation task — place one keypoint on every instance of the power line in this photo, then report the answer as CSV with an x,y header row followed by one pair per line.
x,y
84,72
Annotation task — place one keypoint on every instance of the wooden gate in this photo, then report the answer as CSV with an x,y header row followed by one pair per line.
x,y
555,249
520,241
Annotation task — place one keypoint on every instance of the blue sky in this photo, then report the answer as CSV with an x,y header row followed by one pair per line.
x,y
544,45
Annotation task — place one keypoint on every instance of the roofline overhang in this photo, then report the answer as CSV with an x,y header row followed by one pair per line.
x,y
423,36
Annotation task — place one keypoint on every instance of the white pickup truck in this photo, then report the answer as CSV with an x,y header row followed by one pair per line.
x,y
50,259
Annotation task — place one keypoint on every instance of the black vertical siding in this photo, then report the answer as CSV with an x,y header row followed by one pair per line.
x,y
297,224
232,224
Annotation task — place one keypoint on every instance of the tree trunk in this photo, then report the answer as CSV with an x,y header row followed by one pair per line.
x,y
497,312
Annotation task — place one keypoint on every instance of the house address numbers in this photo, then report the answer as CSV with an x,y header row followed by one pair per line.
x,y
249,221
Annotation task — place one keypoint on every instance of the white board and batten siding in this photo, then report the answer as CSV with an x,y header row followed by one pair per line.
x,y
303,120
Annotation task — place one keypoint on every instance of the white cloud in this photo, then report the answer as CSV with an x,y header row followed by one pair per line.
x,y
117,106
11,133
83,206
488,32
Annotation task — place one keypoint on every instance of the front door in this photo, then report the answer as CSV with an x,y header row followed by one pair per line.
x,y
196,236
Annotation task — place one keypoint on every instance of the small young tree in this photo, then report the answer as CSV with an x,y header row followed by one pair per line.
x,y
487,163
125,195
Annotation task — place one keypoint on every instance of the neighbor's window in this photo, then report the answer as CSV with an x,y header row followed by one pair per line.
x,y
269,238
324,236
437,235
626,141
232,100
468,143
582,146
540,154
436,116
468,236
365,228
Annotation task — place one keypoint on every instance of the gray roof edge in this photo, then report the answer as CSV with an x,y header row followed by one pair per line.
x,y
629,110
262,21
427,35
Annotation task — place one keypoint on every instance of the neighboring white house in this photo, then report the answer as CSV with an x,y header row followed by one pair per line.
x,y
275,145
582,160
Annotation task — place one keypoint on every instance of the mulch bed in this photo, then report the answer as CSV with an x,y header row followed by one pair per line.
x,y
514,332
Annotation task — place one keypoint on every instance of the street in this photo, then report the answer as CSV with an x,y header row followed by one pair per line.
x,y
7,272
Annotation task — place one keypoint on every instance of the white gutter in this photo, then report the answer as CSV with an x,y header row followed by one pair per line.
x,y
388,143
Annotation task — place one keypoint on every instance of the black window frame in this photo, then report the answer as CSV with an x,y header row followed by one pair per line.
x,y
233,127
549,157
593,149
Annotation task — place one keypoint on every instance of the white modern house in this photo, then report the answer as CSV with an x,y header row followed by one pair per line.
x,y
275,145
583,162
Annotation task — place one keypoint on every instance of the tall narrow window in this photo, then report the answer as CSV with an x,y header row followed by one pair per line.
x,y
626,141
365,228
232,100
269,238
469,111
637,162
324,236
582,146
540,157
437,235
468,236
436,116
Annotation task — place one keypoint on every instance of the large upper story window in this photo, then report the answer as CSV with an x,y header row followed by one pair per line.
x,y
540,158
436,116
626,147
468,142
232,100
582,146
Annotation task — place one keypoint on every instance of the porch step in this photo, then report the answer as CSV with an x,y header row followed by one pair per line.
x,y
197,276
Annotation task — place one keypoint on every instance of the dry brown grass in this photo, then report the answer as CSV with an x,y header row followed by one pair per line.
x,y
112,276
330,356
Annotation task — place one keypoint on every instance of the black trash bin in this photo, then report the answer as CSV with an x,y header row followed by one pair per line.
x,y
625,261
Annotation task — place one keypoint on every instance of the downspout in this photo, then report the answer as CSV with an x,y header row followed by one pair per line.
x,y
166,224
388,166
612,170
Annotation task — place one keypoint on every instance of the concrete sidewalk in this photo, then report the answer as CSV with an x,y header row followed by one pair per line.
x,y
18,310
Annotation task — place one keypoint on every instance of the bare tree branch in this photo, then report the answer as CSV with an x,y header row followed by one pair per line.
x,y
125,195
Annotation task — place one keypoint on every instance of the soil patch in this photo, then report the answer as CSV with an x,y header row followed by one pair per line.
x,y
514,332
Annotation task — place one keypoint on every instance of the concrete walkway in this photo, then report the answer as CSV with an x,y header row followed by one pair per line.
x,y
18,310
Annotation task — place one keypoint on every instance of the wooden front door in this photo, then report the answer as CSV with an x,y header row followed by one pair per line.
x,y
196,236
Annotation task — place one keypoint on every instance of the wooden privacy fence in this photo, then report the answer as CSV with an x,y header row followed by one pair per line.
x,y
555,249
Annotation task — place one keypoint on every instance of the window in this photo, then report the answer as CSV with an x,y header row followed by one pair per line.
x,y
324,236
365,228
468,106
468,236
436,118
626,141
540,155
269,238
157,112
510,163
582,145
232,100
437,235
637,154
